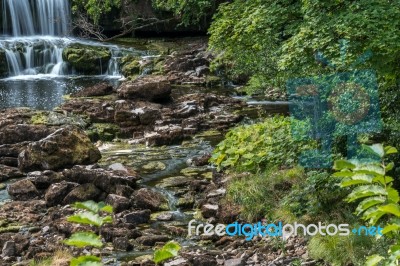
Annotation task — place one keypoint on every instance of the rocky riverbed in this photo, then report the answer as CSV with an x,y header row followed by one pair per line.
x,y
142,147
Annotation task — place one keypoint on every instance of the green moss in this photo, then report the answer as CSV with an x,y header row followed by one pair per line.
x,y
103,131
213,81
10,229
39,118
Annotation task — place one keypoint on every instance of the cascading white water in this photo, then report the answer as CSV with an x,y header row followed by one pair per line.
x,y
34,38
39,17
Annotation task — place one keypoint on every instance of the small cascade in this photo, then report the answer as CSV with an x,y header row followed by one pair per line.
x,y
30,56
36,47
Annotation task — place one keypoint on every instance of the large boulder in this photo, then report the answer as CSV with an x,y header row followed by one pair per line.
x,y
65,147
149,88
22,190
87,59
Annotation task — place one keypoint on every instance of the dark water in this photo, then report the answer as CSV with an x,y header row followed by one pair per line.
x,y
43,92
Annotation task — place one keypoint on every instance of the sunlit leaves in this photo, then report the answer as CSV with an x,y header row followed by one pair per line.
x,y
84,239
168,251
86,261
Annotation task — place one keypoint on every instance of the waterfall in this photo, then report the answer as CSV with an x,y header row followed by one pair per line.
x,y
35,36
39,17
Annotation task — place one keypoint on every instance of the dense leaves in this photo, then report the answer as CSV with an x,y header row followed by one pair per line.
x,y
377,198
259,146
95,8
168,251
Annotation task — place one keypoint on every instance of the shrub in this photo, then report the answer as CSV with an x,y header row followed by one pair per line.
x,y
262,146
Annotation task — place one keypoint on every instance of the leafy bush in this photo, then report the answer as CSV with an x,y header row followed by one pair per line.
x,y
318,198
169,250
89,216
259,194
261,146
377,198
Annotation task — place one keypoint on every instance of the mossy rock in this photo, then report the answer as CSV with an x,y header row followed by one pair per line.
x,y
213,81
154,166
103,131
130,66
87,59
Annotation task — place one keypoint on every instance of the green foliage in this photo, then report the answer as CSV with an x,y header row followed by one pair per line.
x,y
90,215
281,39
344,250
318,198
262,145
377,198
188,11
169,250
259,194
95,8
86,261
84,239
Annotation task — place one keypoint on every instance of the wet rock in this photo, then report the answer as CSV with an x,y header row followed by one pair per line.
x,y
138,217
177,262
12,134
147,115
82,193
145,198
42,180
124,191
3,67
209,210
100,89
204,260
103,131
9,249
164,216
200,160
175,181
234,262
23,190
165,135
151,240
7,172
57,192
186,202
105,180
87,59
154,166
119,203
216,193
122,243
202,71
150,88
65,147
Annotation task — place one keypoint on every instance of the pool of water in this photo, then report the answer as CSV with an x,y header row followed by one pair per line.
x,y
44,92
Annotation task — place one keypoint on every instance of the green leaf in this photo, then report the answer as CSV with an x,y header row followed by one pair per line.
x,y
391,208
389,167
357,179
370,169
169,250
393,195
86,261
373,260
161,255
390,228
390,150
384,180
368,203
172,247
88,218
366,191
343,173
83,239
377,149
89,205
343,164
